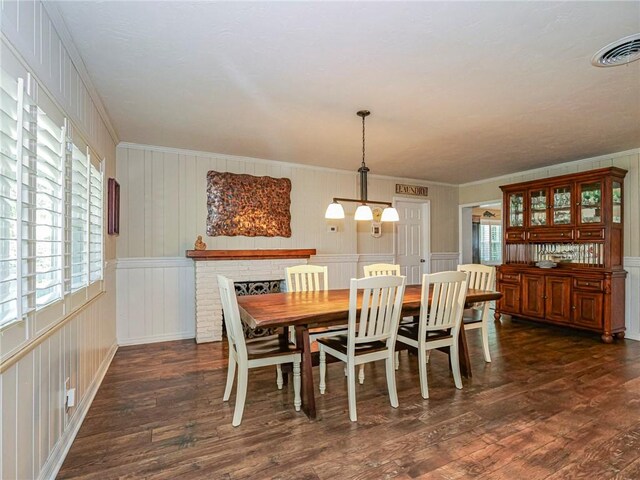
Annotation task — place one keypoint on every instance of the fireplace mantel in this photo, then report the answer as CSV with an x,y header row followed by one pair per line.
x,y
249,254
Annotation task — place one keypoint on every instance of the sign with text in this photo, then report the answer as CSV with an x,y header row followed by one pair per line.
x,y
416,190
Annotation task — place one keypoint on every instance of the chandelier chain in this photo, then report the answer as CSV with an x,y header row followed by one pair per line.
x,y
363,164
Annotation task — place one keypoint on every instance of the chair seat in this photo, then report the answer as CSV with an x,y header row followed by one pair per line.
x,y
472,315
269,347
411,331
339,343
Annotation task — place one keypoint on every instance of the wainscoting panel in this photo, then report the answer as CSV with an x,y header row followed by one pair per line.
x,y
156,300
36,430
632,297
342,268
444,261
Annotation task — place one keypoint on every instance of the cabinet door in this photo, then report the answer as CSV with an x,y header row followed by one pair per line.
x,y
561,207
533,295
510,301
616,202
587,309
515,210
589,203
558,298
538,207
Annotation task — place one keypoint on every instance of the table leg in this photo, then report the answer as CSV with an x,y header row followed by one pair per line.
x,y
287,368
463,352
308,398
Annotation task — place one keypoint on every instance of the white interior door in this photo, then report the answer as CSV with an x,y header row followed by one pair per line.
x,y
412,240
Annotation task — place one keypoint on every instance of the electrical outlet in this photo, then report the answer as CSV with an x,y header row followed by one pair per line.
x,y
70,395
332,228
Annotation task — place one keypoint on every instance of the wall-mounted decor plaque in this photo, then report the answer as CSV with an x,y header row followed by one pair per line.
x,y
240,204
416,190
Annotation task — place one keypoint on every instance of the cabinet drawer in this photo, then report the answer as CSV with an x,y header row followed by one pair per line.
x,y
510,277
586,284
514,236
555,234
590,234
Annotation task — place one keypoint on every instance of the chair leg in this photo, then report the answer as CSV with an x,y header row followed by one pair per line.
x,y
428,355
292,335
485,343
297,402
231,373
279,380
323,370
391,381
455,364
241,395
351,390
361,375
397,360
422,367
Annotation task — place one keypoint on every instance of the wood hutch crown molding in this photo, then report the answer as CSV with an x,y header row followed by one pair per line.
x,y
250,254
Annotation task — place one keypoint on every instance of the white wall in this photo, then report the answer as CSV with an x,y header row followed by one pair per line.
x,y
163,209
35,429
486,190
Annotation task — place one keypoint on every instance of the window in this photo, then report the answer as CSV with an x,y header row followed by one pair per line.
x,y
51,214
490,243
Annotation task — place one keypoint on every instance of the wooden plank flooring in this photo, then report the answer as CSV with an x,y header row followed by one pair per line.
x,y
553,404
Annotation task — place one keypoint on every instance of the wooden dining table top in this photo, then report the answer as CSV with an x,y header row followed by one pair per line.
x,y
302,308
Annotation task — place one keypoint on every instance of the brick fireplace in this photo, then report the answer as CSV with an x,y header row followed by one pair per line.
x,y
240,266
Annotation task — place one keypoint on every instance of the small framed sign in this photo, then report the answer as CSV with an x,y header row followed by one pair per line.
x,y
415,190
113,207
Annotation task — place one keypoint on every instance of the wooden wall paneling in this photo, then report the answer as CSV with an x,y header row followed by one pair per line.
x,y
171,200
9,430
24,413
632,299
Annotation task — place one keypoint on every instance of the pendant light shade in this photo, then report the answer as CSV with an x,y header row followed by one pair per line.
x,y
390,214
363,212
334,211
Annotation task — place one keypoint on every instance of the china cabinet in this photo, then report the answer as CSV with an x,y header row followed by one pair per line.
x,y
572,225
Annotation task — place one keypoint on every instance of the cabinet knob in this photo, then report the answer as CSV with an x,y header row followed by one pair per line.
x,y
588,234
562,234
573,307
587,284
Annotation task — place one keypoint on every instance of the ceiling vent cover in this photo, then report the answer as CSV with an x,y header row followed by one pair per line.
x,y
621,52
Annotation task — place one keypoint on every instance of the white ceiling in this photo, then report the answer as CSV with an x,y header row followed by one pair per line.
x,y
458,91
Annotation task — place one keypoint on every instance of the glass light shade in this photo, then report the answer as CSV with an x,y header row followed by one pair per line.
x,y
334,211
363,212
390,214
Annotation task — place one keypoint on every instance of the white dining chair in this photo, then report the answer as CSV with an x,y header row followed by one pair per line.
x,y
479,277
375,270
439,323
381,269
371,333
246,354
308,278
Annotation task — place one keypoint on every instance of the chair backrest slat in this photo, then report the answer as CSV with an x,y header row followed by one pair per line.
x,y
447,301
307,278
380,310
479,277
235,333
381,269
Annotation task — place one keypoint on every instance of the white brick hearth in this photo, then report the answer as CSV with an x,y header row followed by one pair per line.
x,y
208,306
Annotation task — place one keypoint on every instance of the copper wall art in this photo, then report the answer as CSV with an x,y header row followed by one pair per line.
x,y
240,204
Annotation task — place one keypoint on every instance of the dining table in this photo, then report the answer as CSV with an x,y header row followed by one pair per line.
x,y
306,310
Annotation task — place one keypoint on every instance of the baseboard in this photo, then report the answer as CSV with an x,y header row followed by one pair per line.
x,y
165,337
59,453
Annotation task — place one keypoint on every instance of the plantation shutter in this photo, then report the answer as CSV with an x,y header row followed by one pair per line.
x,y
79,220
95,219
8,198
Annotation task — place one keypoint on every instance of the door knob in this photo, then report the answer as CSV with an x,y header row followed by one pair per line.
x,y
422,260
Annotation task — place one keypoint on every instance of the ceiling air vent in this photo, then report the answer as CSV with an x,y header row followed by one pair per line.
x,y
621,52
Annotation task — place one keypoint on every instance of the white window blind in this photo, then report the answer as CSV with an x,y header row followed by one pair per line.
x,y
27,188
49,205
8,198
95,221
490,243
79,220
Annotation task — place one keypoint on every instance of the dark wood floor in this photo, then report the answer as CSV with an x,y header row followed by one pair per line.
x,y
553,404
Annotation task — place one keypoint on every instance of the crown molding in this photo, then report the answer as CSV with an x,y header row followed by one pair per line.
x,y
57,20
280,163
633,151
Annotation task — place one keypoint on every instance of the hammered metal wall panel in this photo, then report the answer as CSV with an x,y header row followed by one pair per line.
x,y
240,204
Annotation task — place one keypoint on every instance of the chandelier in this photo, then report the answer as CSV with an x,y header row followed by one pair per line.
x,y
335,211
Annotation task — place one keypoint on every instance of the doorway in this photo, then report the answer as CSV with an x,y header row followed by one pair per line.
x,y
481,233
412,241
